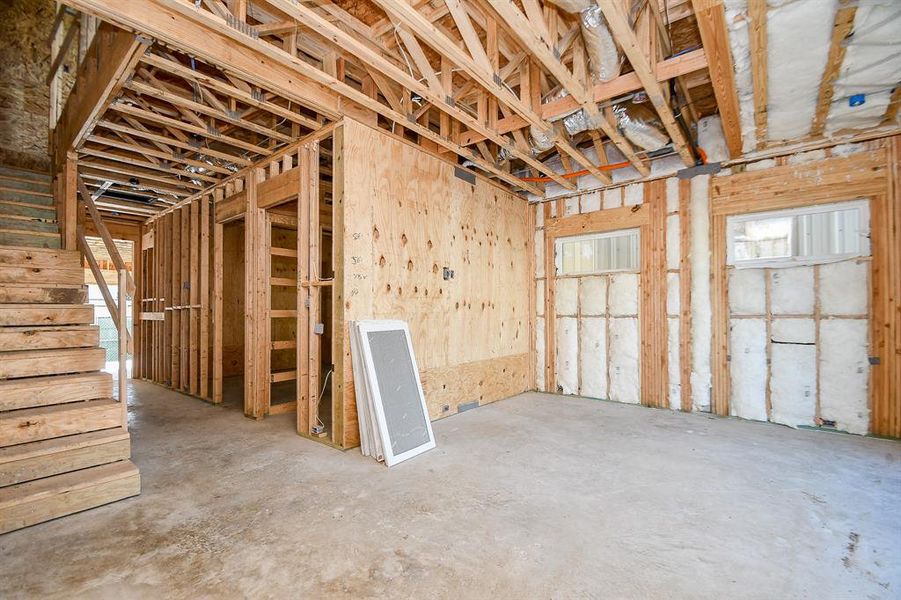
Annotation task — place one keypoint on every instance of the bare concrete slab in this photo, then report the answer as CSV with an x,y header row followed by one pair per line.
x,y
534,497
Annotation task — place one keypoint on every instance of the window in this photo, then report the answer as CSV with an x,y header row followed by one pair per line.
x,y
807,235
598,253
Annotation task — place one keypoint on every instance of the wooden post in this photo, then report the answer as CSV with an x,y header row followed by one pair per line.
x,y
123,345
218,231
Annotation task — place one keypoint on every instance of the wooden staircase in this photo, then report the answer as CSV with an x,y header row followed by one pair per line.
x,y
64,444
27,209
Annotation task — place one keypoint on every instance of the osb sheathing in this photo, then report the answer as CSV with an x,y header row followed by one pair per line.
x,y
24,94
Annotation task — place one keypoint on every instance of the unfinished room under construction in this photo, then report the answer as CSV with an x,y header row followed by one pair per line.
x,y
450,299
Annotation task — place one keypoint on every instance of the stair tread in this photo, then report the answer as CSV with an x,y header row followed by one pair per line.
x,y
31,491
49,390
57,408
75,327
61,444
47,352
45,284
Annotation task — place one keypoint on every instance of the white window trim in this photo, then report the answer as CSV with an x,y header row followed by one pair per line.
x,y
558,256
798,261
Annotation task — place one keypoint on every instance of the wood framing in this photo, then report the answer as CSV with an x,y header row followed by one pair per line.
x,y
872,175
650,218
711,17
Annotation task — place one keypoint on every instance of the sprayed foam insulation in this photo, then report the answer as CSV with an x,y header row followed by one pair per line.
x,y
539,215
571,206
613,198
844,373
624,366
871,66
793,371
623,295
844,287
539,354
747,291
748,368
633,194
590,202
737,21
593,357
673,369
672,197
24,95
567,296
792,291
700,293
593,296
672,294
796,63
673,243
567,355
539,253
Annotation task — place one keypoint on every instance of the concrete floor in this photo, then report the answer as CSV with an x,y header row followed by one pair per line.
x,y
532,497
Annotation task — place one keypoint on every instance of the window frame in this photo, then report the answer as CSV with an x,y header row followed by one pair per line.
x,y
861,205
558,254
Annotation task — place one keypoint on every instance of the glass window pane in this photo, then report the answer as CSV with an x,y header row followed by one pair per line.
x,y
598,253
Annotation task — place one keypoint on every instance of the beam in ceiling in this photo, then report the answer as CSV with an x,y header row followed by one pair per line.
x,y
841,29
711,18
676,66
757,13
622,32
195,31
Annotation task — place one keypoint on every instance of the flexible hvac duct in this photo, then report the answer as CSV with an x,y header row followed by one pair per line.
x,y
541,140
604,60
640,126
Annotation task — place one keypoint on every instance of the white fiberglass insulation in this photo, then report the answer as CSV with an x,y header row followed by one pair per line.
x,y
567,357
872,66
590,202
712,139
747,347
737,22
799,33
593,296
623,294
673,244
844,288
672,294
539,253
673,370
747,291
844,373
792,291
539,353
672,196
793,371
624,366
613,198
539,298
633,194
593,357
567,296
700,293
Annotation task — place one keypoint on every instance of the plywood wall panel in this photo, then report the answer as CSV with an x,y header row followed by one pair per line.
x,y
407,218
